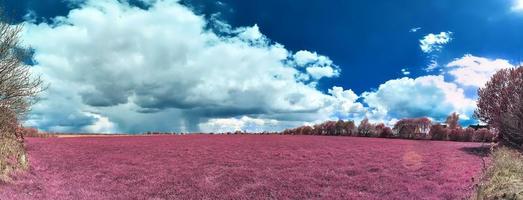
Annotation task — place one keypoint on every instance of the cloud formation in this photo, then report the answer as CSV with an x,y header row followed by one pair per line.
x,y
416,29
475,71
405,71
114,67
424,96
435,42
244,123
127,64
316,66
518,5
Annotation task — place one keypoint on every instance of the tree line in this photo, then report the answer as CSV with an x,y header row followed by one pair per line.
x,y
413,128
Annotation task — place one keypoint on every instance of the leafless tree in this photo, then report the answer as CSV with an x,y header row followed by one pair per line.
x,y
18,87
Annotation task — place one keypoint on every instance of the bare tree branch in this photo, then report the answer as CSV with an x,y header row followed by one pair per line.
x,y
18,87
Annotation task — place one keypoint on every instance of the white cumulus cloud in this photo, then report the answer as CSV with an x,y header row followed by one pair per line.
x,y
435,42
427,96
160,68
245,123
346,104
114,67
318,72
316,66
304,57
476,71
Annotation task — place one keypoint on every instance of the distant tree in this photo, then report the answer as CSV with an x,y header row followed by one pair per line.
x,y
456,134
319,129
404,128
453,121
416,128
423,124
382,131
438,132
297,131
387,132
339,128
499,105
468,135
238,132
350,128
307,130
378,128
329,128
365,128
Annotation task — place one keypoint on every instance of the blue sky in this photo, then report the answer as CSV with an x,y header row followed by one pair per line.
x,y
338,59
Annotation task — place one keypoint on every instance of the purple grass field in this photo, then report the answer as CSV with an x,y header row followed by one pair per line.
x,y
245,167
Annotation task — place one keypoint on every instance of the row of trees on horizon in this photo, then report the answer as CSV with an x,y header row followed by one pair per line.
x,y
500,105
412,128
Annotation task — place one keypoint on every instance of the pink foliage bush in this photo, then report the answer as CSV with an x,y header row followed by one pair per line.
x,y
468,135
455,134
484,135
439,132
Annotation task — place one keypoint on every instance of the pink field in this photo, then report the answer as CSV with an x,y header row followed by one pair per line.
x,y
245,167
